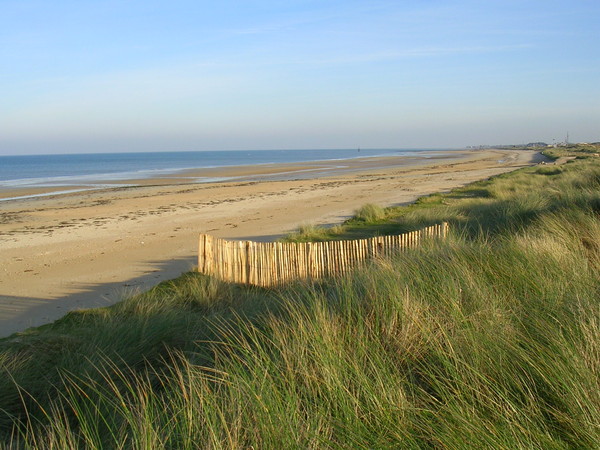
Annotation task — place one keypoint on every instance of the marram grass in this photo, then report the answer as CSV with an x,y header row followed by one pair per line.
x,y
502,205
490,341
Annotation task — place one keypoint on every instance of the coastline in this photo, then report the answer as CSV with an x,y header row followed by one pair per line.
x,y
22,189
92,248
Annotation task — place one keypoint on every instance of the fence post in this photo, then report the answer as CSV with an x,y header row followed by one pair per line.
x,y
201,255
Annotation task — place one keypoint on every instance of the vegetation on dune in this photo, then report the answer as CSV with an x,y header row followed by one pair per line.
x,y
489,340
501,205
579,151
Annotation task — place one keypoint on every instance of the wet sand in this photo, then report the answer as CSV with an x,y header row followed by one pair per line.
x,y
92,248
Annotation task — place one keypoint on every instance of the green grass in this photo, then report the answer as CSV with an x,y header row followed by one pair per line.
x,y
500,205
370,213
313,233
365,221
549,170
580,151
491,340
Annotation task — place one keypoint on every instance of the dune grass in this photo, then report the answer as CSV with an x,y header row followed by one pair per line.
x,y
500,205
491,340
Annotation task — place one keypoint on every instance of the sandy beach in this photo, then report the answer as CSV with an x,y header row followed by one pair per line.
x,y
92,248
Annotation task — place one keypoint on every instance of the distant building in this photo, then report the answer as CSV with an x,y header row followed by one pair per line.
x,y
536,144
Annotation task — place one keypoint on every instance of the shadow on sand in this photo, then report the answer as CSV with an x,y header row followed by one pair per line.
x,y
19,313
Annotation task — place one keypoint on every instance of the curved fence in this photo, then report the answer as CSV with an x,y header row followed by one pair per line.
x,y
273,263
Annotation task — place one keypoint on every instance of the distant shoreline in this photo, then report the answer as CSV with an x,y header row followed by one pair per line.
x,y
21,189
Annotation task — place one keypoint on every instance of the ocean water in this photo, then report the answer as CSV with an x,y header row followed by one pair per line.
x,y
91,170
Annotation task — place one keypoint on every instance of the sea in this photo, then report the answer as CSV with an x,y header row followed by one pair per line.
x,y
73,172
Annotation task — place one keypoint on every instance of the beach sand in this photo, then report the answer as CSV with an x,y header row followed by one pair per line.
x,y
90,249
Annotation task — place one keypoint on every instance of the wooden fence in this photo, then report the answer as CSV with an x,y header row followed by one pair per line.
x,y
271,263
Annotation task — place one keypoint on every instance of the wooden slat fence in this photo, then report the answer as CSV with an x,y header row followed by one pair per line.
x,y
272,263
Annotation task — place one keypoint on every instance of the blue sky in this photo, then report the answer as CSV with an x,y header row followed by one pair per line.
x,y
91,76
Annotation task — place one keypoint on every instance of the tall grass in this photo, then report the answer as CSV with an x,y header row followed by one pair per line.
x,y
491,340
313,233
503,204
370,213
471,344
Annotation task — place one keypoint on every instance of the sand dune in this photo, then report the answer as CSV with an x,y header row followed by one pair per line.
x,y
89,249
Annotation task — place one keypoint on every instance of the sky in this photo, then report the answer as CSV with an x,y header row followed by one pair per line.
x,y
111,76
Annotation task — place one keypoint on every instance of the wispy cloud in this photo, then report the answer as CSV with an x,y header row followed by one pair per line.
x,y
392,55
